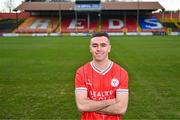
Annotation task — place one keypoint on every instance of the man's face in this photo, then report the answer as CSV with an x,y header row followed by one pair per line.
x,y
99,48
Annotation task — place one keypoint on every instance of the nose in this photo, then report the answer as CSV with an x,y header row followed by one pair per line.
x,y
98,47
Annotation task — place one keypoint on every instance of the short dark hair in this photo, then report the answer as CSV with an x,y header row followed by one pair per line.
x,y
100,34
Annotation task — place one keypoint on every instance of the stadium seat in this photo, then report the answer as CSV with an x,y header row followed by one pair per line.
x,y
117,24
38,25
7,25
70,25
150,24
171,25
45,24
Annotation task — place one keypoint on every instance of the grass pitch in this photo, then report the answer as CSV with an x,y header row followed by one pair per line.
x,y
37,75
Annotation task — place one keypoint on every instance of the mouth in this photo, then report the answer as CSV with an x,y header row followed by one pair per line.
x,y
99,54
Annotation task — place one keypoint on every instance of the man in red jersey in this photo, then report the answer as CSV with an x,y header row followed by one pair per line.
x,y
101,86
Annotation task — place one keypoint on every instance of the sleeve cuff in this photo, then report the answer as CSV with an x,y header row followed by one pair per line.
x,y
122,91
79,89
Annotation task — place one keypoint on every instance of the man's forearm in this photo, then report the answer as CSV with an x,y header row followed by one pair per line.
x,y
113,109
91,105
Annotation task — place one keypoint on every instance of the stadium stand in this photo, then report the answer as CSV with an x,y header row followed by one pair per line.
x,y
71,25
178,23
81,25
169,20
21,15
112,25
10,21
150,24
118,24
171,25
65,16
7,25
168,15
131,24
38,25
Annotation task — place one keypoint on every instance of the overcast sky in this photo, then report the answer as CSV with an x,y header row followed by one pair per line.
x,y
167,4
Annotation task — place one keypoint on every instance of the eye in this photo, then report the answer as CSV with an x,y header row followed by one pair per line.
x,y
94,45
103,45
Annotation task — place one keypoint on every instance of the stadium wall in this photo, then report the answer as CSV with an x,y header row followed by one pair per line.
x,y
88,34
22,15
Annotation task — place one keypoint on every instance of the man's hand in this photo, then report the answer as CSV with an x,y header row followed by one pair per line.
x,y
119,107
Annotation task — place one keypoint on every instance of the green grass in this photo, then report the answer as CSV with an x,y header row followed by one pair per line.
x,y
37,75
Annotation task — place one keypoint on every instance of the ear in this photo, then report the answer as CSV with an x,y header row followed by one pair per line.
x,y
109,50
90,48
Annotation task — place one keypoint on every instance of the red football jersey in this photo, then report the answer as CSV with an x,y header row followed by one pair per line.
x,y
101,85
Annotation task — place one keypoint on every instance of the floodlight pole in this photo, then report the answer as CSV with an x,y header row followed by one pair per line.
x,y
125,18
137,15
76,20
88,19
16,19
60,16
171,14
163,15
99,14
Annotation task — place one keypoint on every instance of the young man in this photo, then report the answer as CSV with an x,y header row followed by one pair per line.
x,y
101,86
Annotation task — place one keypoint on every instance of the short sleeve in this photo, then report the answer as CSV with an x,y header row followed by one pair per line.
x,y
79,80
123,86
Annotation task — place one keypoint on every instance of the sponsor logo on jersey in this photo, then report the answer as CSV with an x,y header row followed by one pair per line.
x,y
101,95
88,82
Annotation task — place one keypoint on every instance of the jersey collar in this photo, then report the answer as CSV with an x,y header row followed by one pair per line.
x,y
101,71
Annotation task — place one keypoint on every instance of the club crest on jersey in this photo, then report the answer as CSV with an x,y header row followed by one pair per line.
x,y
114,82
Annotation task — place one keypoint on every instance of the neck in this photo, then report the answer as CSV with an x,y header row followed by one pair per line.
x,y
102,64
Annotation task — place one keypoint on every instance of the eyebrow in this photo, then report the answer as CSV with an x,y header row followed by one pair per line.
x,y
99,44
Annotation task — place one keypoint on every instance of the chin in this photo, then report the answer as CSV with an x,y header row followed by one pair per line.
x,y
99,59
